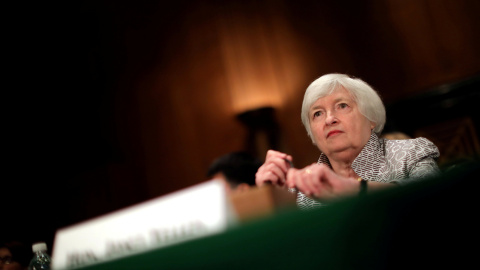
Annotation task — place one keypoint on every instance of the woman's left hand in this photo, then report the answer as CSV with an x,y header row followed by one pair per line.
x,y
318,181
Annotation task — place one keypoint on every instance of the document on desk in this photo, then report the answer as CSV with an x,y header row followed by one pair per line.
x,y
194,212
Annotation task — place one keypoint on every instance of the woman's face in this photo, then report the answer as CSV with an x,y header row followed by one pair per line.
x,y
337,125
5,253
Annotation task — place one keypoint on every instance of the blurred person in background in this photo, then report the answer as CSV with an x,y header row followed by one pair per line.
x,y
395,135
15,255
344,117
236,169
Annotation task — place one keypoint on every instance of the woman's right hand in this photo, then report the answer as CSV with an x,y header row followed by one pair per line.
x,y
274,170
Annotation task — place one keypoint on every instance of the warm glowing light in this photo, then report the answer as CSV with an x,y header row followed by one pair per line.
x,y
261,61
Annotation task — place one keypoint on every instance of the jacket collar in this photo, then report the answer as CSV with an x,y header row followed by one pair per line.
x,y
367,164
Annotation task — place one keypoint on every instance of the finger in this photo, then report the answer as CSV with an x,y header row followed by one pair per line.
x,y
273,153
308,180
323,188
289,162
280,173
284,164
277,164
291,174
262,177
282,160
273,168
269,173
299,179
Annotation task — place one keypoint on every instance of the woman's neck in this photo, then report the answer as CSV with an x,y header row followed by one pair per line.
x,y
342,164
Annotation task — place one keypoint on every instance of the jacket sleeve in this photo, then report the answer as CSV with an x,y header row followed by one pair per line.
x,y
422,161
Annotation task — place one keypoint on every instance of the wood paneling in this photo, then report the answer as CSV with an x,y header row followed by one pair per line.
x,y
153,88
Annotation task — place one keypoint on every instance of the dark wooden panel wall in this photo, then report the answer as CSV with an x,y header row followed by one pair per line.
x,y
129,100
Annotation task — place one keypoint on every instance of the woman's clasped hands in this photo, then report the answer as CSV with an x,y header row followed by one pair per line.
x,y
317,181
274,170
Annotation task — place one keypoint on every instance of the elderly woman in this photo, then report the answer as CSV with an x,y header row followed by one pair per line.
x,y
344,117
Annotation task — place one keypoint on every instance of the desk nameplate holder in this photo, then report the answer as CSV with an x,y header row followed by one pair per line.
x,y
194,212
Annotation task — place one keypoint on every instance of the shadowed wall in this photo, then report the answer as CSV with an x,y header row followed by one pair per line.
x,y
122,101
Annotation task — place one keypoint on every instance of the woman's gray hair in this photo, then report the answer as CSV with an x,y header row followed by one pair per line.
x,y
368,101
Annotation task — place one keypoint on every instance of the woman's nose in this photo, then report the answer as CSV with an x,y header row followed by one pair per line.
x,y
331,119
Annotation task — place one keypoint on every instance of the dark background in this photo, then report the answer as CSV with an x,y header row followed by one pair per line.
x,y
111,103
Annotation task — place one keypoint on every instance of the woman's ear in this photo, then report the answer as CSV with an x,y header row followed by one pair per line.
x,y
372,125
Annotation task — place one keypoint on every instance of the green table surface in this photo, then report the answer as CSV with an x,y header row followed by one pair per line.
x,y
420,226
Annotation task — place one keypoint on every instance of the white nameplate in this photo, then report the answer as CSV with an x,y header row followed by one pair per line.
x,y
194,212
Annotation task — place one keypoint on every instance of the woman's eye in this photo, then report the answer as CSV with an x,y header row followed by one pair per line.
x,y
317,114
343,105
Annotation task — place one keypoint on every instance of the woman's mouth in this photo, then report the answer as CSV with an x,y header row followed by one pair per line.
x,y
333,132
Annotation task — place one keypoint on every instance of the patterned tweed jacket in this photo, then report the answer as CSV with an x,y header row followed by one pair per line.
x,y
383,160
